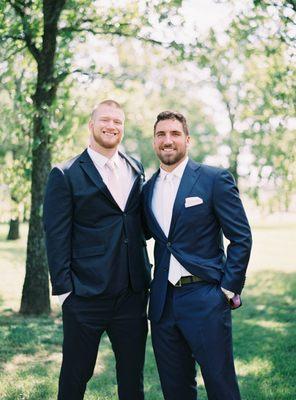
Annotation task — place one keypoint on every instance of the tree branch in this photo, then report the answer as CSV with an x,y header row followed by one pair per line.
x,y
113,33
14,52
28,37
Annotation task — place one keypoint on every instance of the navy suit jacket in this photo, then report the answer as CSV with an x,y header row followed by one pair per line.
x,y
91,243
196,233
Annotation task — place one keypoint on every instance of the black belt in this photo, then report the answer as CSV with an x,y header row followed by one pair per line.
x,y
185,280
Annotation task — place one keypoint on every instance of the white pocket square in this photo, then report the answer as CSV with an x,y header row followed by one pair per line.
x,y
193,201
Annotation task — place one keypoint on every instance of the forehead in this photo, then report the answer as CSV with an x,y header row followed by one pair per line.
x,y
109,111
169,125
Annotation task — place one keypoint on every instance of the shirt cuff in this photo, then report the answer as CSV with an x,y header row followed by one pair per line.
x,y
228,293
62,297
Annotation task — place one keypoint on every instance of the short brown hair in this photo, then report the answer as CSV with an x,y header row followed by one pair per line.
x,y
174,115
107,102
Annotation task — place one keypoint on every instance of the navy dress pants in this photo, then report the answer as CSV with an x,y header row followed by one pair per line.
x,y
124,320
195,327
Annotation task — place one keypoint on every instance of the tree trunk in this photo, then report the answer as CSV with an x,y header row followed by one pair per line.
x,y
14,232
35,296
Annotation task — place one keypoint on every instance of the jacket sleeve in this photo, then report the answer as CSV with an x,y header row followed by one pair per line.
x,y
235,227
57,217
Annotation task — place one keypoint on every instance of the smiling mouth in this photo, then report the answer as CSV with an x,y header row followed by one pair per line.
x,y
168,150
109,133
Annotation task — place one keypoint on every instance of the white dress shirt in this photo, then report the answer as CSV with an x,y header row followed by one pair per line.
x,y
126,179
163,199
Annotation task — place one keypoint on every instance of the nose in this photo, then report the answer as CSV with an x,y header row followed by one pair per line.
x,y
110,124
168,140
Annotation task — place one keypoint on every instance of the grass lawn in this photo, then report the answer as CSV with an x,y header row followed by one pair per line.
x,y
264,330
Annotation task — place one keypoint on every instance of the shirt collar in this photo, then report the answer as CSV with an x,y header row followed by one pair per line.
x,y
101,160
177,172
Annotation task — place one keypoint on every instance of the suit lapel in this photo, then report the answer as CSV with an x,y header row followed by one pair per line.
x,y
131,162
152,218
89,168
139,180
190,176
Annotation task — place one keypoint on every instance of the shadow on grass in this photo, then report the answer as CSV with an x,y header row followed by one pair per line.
x,y
27,346
264,344
264,337
27,336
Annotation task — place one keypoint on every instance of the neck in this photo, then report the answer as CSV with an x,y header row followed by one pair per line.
x,y
170,168
109,153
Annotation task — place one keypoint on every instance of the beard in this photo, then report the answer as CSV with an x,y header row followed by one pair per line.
x,y
171,159
106,142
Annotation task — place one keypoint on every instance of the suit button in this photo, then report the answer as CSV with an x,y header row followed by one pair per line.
x,y
125,241
169,244
124,214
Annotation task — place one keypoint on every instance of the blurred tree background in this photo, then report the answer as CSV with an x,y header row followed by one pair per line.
x,y
235,84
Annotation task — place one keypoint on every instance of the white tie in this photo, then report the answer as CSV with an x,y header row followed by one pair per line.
x,y
168,200
114,184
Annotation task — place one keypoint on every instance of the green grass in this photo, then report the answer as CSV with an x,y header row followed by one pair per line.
x,y
264,333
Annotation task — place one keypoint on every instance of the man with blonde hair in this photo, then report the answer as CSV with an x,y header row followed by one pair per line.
x,y
97,257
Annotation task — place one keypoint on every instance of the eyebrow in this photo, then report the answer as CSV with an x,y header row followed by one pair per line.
x,y
109,117
174,131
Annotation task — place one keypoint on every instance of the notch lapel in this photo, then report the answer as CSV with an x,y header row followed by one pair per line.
x,y
190,176
151,215
89,168
131,162
139,180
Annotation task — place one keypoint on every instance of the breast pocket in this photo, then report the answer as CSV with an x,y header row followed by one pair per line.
x,y
200,215
199,209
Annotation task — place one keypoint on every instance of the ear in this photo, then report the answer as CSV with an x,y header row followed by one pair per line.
x,y
90,124
187,141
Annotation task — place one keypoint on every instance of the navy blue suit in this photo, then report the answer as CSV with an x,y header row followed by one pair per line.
x,y
193,323
98,252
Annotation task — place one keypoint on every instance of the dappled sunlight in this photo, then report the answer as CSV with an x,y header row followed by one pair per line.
x,y
272,325
26,361
258,366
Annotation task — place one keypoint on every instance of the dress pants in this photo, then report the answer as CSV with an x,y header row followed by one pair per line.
x,y
124,320
195,327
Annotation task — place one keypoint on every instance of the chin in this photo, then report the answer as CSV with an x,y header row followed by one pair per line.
x,y
109,145
169,161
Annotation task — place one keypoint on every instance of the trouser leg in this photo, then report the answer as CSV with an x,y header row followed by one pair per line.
x,y
127,333
82,335
205,321
175,363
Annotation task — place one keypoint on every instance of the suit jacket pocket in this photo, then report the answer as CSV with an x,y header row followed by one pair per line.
x,y
88,251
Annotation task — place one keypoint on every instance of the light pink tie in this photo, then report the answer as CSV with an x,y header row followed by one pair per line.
x,y
113,182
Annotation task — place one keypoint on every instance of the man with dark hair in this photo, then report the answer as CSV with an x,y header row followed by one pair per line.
x,y
97,257
188,207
